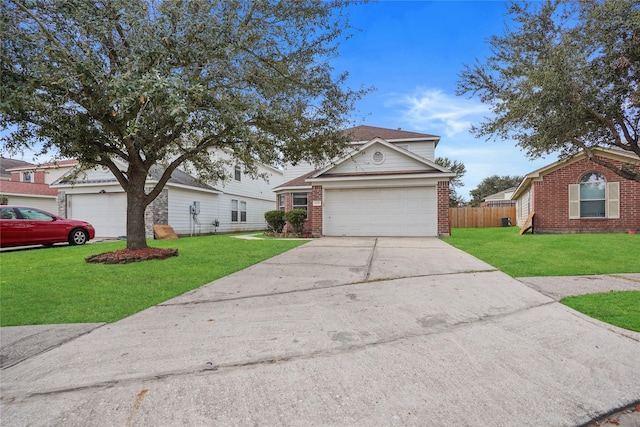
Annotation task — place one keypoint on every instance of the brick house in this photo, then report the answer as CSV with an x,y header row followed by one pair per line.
x,y
26,184
576,195
388,184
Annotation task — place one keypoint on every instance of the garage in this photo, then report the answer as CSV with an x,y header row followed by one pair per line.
x,y
107,212
409,211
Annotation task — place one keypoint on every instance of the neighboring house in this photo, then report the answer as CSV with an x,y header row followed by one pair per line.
x,y
499,199
576,195
387,185
29,185
7,164
188,206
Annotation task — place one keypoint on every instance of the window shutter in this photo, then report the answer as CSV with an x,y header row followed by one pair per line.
x,y
574,201
613,200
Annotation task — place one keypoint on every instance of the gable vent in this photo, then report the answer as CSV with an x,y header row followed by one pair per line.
x,y
377,157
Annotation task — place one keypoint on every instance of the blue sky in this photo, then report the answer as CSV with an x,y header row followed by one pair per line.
x,y
412,53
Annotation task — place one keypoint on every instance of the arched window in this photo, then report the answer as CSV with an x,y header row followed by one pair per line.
x,y
593,195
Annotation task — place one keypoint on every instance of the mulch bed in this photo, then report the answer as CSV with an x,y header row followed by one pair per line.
x,y
125,256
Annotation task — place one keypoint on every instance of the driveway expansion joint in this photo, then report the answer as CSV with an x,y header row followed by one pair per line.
x,y
295,291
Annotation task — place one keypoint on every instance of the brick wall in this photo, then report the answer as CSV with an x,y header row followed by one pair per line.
x,y
308,225
444,226
315,212
551,201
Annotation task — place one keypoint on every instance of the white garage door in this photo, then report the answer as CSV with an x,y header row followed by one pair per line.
x,y
106,212
408,211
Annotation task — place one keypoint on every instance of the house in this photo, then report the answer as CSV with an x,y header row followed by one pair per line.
x,y
576,195
187,205
499,199
7,164
387,184
27,184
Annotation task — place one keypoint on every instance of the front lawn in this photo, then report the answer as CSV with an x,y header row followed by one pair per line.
x,y
56,285
550,254
563,255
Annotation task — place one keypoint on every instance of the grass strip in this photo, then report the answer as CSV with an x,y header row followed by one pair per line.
x,y
617,308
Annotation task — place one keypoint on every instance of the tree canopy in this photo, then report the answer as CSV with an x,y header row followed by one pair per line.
x,y
492,185
564,78
165,82
459,169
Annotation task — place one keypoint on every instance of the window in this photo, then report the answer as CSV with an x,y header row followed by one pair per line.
x,y
281,202
237,173
7,213
33,214
300,201
243,211
26,176
234,211
592,196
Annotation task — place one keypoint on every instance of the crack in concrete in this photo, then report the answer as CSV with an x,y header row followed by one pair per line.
x,y
370,264
225,367
294,291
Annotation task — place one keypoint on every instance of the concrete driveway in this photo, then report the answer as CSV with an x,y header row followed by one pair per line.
x,y
340,331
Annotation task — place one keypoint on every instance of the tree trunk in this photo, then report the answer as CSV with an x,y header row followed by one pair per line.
x,y
136,205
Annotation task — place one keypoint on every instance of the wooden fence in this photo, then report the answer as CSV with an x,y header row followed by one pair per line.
x,y
481,217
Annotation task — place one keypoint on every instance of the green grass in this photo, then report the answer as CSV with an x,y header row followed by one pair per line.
x,y
617,308
55,285
563,255
550,254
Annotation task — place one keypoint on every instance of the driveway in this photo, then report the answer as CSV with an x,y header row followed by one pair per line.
x,y
339,331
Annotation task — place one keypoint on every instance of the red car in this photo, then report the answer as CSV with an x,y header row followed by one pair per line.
x,y
21,226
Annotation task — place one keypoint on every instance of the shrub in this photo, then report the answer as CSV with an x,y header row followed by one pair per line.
x,y
296,218
275,220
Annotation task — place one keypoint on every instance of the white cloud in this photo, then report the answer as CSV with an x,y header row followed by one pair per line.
x,y
434,110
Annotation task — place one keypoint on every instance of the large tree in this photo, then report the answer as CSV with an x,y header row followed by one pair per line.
x,y
164,83
492,185
564,78
455,200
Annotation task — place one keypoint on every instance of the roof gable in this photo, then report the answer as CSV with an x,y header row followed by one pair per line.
x,y
613,154
379,157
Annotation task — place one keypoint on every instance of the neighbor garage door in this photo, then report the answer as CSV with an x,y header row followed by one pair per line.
x,y
106,212
380,212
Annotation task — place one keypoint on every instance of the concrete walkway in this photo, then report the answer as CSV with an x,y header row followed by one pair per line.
x,y
339,331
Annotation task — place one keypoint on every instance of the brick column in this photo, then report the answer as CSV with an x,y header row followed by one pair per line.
x,y
444,226
316,211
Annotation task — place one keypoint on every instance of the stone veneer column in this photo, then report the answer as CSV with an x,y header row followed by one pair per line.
x,y
62,204
157,212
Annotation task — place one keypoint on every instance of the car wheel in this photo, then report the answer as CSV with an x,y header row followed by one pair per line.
x,y
78,237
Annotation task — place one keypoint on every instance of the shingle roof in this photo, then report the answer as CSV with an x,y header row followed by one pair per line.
x,y
297,182
12,187
179,177
6,164
366,133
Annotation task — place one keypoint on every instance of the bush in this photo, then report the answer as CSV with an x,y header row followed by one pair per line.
x,y
296,218
275,220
